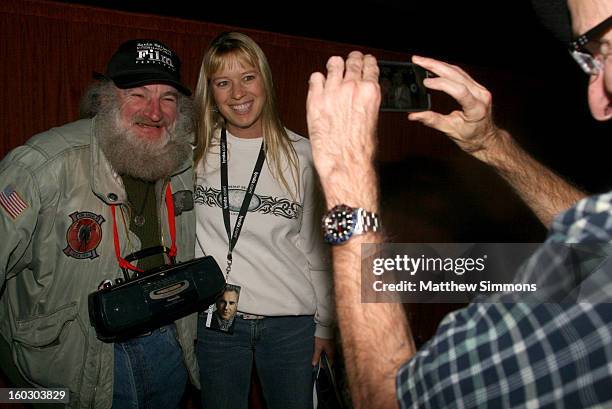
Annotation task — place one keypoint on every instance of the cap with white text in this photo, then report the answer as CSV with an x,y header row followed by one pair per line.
x,y
143,62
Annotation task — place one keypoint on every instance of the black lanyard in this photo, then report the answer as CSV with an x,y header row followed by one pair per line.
x,y
233,237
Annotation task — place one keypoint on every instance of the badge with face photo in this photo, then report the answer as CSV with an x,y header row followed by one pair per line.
x,y
220,315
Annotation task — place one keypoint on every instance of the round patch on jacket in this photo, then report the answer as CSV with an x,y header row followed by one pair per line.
x,y
84,235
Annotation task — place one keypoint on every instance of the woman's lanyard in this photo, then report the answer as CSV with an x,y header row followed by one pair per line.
x,y
233,237
126,265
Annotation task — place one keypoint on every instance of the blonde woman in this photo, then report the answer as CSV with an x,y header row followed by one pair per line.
x,y
257,206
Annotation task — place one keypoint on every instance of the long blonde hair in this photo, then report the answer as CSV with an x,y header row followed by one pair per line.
x,y
276,140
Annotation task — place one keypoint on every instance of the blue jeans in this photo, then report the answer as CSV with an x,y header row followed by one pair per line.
x,y
281,349
149,371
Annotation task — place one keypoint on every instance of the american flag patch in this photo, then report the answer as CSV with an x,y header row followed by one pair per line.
x,y
11,202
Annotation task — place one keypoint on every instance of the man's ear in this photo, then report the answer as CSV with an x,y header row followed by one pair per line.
x,y
599,98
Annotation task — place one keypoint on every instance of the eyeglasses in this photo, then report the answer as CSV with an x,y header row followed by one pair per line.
x,y
588,51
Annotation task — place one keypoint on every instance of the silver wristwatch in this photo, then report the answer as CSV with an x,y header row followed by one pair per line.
x,y
342,222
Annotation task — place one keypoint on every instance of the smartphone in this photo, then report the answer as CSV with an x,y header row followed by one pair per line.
x,y
401,86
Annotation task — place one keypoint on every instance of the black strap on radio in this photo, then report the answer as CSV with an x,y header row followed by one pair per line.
x,y
233,237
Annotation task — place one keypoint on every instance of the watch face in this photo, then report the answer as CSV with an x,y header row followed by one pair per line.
x,y
339,224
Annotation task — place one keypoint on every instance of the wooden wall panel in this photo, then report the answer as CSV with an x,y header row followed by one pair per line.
x,y
49,51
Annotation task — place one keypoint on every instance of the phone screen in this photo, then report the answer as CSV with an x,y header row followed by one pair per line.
x,y
401,86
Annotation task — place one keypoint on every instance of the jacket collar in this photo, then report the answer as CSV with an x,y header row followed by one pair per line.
x,y
105,182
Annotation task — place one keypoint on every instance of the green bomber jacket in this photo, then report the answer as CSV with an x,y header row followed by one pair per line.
x,y
54,188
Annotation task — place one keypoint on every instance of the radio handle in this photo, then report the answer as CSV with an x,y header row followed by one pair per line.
x,y
149,251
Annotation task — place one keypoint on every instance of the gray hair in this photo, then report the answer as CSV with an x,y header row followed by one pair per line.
x,y
104,90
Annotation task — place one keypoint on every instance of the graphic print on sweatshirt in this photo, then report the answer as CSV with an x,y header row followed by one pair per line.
x,y
277,206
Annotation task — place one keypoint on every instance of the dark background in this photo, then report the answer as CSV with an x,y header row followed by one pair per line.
x,y
501,34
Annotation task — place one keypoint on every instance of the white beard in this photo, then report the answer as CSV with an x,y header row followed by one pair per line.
x,y
149,160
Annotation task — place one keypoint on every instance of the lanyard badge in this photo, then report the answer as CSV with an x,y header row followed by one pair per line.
x,y
220,316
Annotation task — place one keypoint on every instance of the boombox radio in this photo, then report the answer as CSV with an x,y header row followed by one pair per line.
x,y
154,298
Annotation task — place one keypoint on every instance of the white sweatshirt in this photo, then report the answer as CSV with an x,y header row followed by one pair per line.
x,y
280,260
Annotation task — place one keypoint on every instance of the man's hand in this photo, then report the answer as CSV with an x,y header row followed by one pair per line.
x,y
474,131
323,345
342,114
342,118
472,128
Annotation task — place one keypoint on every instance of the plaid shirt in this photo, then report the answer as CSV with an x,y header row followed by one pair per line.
x,y
503,354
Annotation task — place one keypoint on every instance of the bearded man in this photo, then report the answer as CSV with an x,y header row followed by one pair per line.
x,y
74,202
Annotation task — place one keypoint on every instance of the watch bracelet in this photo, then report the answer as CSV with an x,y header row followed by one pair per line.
x,y
370,222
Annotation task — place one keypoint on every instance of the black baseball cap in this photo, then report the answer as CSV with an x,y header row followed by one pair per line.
x,y
144,61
